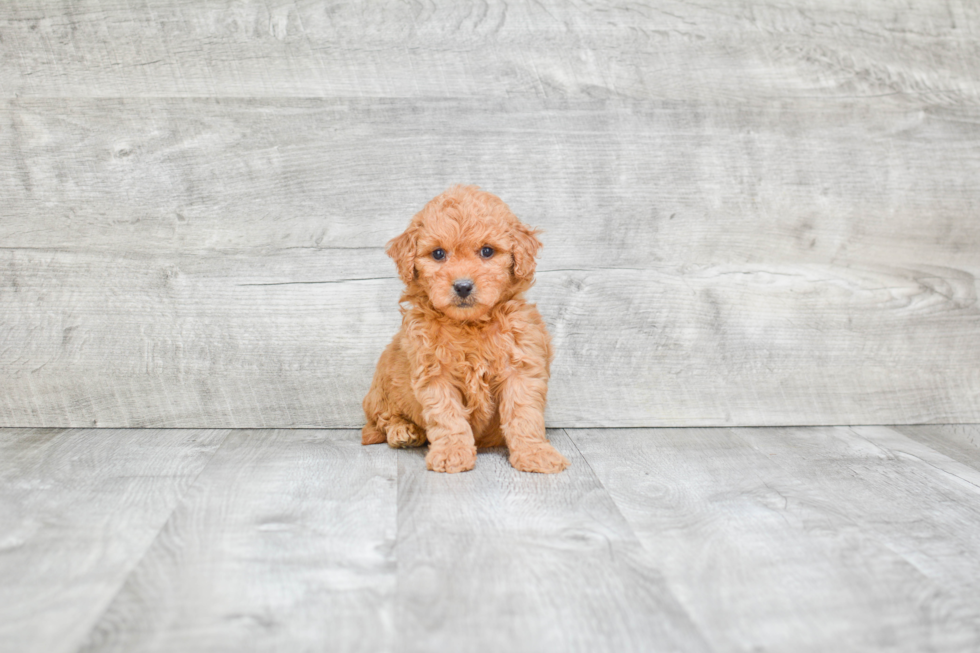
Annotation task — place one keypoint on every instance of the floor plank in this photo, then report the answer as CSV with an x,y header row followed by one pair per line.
x,y
286,543
747,539
960,442
774,539
919,503
498,560
78,509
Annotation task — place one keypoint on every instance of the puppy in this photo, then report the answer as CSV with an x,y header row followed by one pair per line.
x,y
470,366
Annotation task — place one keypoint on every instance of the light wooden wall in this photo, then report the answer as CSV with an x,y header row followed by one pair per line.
x,y
752,214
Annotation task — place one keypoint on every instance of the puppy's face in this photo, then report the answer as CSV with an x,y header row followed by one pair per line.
x,y
466,252
463,268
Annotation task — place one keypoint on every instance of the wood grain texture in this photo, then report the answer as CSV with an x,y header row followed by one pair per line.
x,y
500,560
286,543
961,442
753,214
928,506
78,509
805,539
256,294
670,48
877,180
261,340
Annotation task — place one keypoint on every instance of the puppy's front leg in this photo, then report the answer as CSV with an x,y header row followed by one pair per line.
x,y
521,408
451,445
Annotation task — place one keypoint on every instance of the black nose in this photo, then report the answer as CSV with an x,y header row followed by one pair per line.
x,y
463,288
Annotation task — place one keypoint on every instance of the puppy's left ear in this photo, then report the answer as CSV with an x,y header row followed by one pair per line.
x,y
402,249
526,246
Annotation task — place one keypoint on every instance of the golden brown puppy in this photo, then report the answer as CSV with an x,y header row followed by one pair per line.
x,y
470,366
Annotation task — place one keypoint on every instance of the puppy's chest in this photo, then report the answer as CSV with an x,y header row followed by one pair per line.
x,y
475,363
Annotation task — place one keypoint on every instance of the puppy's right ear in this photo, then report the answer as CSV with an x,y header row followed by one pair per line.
x,y
402,250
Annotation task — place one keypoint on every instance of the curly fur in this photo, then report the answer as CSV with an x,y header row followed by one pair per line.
x,y
465,372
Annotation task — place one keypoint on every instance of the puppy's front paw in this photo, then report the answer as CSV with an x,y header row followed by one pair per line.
x,y
542,458
459,458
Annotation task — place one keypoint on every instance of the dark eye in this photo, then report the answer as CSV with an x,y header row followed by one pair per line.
x,y
487,251
439,254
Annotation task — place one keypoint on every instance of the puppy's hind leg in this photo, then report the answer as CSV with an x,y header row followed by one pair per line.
x,y
373,404
371,434
402,433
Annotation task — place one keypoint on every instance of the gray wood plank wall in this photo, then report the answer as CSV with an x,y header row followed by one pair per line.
x,y
753,215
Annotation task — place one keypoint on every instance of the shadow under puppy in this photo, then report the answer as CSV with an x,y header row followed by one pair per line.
x,y
470,366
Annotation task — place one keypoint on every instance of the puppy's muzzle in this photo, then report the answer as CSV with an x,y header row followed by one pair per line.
x,y
463,288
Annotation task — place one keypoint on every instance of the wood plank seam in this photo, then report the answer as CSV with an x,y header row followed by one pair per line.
x,y
86,643
874,533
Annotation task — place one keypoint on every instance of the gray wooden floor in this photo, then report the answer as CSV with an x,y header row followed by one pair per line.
x,y
724,539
